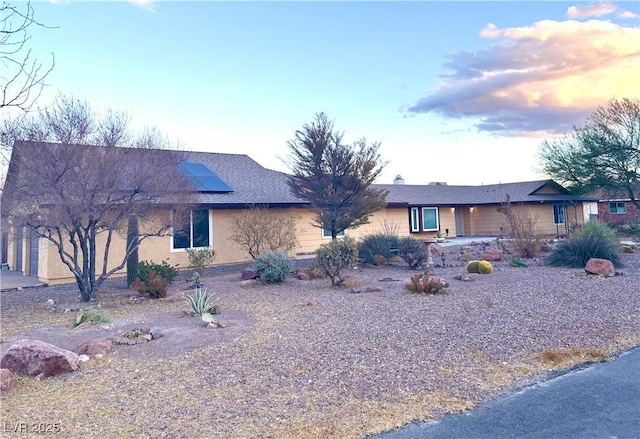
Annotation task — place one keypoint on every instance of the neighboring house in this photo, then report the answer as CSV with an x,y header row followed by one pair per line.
x,y
228,183
616,208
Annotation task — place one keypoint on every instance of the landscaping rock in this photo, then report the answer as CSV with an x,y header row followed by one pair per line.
x,y
248,283
351,281
176,297
156,332
7,380
37,358
600,267
463,277
250,273
94,347
304,274
373,289
492,254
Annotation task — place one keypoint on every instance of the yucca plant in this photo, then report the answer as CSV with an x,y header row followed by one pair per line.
x,y
577,251
199,304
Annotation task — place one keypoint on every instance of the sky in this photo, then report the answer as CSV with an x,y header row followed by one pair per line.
x,y
456,92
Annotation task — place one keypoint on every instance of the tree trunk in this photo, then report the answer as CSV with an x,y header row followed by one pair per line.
x,y
132,249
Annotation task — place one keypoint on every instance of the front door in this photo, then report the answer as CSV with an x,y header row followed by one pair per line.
x,y
459,222
33,254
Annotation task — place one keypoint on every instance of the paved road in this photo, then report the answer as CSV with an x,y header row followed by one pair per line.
x,y
602,401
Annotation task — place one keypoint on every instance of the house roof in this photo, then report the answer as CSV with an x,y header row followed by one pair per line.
x,y
540,191
240,181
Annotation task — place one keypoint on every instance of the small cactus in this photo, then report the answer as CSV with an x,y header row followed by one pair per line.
x,y
485,267
472,267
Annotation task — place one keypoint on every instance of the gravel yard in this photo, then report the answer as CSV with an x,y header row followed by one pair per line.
x,y
303,360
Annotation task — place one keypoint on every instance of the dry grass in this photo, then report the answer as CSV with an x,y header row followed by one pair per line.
x,y
563,358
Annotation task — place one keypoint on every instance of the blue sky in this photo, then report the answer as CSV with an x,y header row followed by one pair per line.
x,y
462,92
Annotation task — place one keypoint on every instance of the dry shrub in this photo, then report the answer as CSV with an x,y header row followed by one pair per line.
x,y
526,236
562,358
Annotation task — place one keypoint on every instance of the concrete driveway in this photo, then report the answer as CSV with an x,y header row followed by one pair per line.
x,y
13,280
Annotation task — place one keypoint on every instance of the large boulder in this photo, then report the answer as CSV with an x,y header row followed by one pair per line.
x,y
250,273
492,254
7,380
94,347
600,267
37,358
304,274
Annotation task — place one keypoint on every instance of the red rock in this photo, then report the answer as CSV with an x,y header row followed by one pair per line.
x,y
176,297
94,347
372,289
37,358
250,273
7,380
492,254
304,274
601,267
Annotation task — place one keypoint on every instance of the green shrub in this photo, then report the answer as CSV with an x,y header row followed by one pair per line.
x,y
485,267
168,272
377,244
273,267
517,262
335,256
597,228
412,251
472,267
576,252
200,258
90,316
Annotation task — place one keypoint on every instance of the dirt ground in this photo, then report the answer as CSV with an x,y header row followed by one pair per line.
x,y
303,360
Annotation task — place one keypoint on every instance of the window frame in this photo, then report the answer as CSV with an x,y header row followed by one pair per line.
x,y
417,217
619,209
191,233
559,210
326,234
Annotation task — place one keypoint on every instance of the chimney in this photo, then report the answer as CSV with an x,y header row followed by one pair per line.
x,y
398,179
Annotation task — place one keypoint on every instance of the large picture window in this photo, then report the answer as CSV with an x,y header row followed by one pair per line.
x,y
424,219
196,234
617,207
558,214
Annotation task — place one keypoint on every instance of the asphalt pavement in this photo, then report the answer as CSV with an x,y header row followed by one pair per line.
x,y
599,401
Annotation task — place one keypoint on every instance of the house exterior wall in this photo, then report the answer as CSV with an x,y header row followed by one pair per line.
x,y
604,214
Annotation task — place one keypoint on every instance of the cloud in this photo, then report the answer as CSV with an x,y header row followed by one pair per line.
x,y
538,79
147,5
627,14
591,10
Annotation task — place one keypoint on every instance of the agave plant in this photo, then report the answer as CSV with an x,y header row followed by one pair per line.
x,y
199,304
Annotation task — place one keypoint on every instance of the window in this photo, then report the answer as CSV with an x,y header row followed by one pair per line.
x,y
415,219
558,214
196,234
326,233
429,218
617,207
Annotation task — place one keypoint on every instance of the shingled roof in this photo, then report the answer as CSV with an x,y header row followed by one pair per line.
x,y
445,195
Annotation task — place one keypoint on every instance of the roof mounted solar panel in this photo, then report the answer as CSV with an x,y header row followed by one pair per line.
x,y
202,178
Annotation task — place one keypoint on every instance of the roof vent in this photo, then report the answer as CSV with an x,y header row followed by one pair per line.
x,y
438,183
398,179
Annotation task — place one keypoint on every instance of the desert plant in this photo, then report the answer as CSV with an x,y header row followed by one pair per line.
x,y
412,251
260,230
168,272
526,236
336,256
199,258
597,228
576,252
90,316
155,285
517,262
273,266
200,304
377,244
427,284
472,267
485,267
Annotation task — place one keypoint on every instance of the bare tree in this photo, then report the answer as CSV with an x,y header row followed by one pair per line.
x,y
79,197
333,177
82,191
21,76
259,230
603,154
